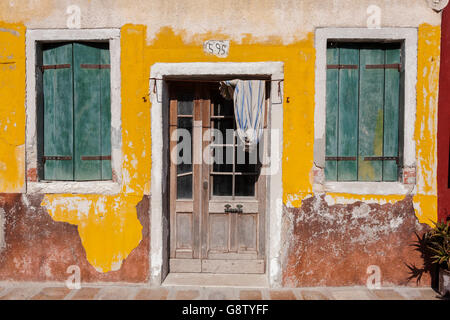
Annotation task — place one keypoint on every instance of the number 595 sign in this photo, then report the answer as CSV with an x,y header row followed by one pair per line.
x,y
219,48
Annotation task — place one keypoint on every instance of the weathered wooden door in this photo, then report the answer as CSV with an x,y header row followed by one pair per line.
x,y
217,194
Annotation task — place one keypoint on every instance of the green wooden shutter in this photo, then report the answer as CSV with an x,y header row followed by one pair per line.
x,y
371,115
391,115
348,114
58,112
105,112
91,112
332,114
362,127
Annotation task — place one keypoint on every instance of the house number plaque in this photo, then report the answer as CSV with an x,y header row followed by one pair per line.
x,y
219,48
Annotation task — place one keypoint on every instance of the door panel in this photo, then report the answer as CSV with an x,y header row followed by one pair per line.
x,y
219,232
217,206
184,213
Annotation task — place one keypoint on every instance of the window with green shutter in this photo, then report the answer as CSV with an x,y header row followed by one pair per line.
x,y
76,116
363,112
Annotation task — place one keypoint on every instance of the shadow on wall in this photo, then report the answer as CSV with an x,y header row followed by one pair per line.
x,y
428,267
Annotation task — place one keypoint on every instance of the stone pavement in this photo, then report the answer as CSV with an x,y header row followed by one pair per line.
x,y
57,291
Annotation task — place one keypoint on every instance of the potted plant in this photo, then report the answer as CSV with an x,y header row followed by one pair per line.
x,y
438,241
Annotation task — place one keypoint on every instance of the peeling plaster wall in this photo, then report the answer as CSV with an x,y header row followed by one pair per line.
x,y
289,20
12,111
333,245
41,248
2,229
107,231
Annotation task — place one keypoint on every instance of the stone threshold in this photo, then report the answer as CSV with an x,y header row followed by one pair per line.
x,y
216,280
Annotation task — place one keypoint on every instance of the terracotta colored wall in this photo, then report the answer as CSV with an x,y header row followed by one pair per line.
x,y
38,248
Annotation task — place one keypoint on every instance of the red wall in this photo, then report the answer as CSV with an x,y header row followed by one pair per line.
x,y
444,121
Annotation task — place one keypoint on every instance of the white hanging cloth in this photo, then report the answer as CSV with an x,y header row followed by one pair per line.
x,y
249,98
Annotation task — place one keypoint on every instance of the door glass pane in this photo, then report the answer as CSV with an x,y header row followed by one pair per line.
x,y
223,107
184,145
245,186
222,185
184,187
223,159
231,157
225,126
185,105
246,161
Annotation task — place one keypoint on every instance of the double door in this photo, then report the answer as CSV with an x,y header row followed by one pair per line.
x,y
217,191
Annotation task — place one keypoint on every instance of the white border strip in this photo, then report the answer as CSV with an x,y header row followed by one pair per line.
x,y
49,35
274,211
409,36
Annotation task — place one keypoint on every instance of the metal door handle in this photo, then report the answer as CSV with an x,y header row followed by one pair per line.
x,y
238,209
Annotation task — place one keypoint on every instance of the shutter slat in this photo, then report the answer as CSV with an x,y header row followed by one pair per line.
x,y
331,114
105,113
391,115
371,115
87,108
348,114
58,112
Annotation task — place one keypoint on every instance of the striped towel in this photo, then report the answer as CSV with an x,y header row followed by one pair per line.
x,y
249,97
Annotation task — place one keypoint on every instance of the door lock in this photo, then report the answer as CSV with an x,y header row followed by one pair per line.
x,y
238,208
205,184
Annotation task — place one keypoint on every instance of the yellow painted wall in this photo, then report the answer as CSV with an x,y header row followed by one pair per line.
x,y
12,107
108,225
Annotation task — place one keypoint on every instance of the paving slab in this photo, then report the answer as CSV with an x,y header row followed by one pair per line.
x,y
58,293
23,293
152,294
250,295
187,294
220,294
282,295
85,294
351,294
116,293
313,295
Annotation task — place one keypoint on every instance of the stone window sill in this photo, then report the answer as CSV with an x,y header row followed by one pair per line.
x,y
365,188
64,187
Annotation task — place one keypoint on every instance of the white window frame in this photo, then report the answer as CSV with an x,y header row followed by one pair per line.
x,y
35,36
409,38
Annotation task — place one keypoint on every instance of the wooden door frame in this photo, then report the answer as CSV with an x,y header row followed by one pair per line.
x,y
159,208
